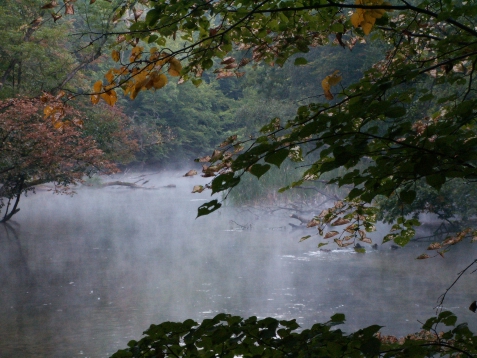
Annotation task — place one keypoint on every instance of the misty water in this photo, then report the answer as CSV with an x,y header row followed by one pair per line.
x,y
83,275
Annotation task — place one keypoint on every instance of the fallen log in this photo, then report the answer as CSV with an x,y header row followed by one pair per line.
x,y
124,183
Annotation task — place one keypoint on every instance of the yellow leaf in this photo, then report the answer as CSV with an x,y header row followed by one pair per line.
x,y
136,53
109,76
357,18
47,111
98,86
329,81
134,92
127,87
335,78
159,81
175,67
115,55
141,84
58,124
378,13
110,97
367,27
60,94
369,18
94,98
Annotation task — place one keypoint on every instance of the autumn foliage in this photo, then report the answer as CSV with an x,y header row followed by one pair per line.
x,y
38,148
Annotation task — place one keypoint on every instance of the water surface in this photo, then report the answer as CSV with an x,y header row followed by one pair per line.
x,y
83,275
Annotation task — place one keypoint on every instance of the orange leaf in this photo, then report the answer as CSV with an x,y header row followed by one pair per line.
x,y
98,85
109,76
58,124
115,56
159,81
110,97
47,111
175,67
329,81
59,95
94,98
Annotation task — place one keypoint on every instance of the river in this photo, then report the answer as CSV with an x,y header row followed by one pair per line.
x,y
81,276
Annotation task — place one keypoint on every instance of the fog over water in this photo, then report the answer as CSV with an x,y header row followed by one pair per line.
x,y
83,275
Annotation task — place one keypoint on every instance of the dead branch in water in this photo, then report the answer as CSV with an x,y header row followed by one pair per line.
x,y
132,185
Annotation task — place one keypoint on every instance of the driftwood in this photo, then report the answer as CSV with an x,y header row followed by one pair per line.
x,y
133,185
300,218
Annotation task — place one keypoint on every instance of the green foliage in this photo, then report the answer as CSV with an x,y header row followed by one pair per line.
x,y
197,118
394,127
400,119
231,336
32,53
450,203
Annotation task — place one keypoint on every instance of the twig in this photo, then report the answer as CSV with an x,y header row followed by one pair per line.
x,y
442,297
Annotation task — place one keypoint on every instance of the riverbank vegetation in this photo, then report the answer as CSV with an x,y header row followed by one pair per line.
x,y
374,100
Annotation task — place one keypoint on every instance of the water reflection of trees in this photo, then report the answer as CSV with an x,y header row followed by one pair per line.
x,y
18,286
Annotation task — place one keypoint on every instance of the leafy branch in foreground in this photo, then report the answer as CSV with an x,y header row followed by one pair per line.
x,y
410,120
230,336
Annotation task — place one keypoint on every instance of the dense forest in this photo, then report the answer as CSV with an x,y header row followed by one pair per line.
x,y
370,105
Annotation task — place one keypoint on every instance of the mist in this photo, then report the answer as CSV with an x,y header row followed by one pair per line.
x,y
83,275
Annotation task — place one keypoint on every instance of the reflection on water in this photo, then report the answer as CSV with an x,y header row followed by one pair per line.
x,y
82,276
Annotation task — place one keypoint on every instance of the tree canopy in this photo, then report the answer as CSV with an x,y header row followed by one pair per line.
x,y
407,122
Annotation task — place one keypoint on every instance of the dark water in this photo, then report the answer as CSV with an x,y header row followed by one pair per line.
x,y
81,276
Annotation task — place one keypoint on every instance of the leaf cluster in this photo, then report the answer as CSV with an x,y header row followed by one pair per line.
x,y
230,336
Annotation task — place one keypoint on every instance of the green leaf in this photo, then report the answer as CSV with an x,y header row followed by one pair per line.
x,y
258,169
152,17
278,157
337,27
448,318
223,182
354,193
389,237
338,318
208,208
299,61
395,112
407,196
197,82
436,180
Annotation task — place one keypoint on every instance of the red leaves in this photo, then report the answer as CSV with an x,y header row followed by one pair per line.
x,y
39,146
